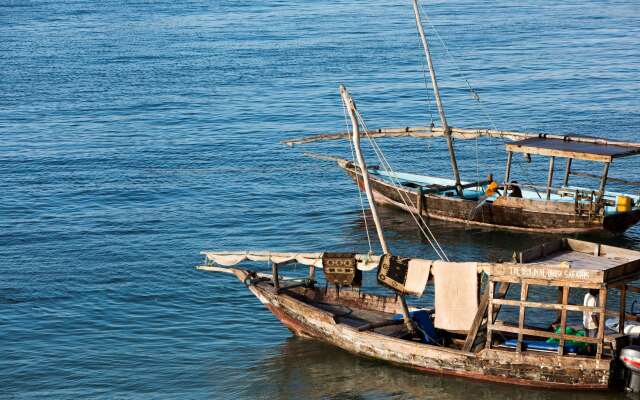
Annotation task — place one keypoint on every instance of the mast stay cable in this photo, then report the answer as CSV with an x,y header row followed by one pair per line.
x,y
406,199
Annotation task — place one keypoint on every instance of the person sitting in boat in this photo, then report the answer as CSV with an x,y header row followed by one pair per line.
x,y
492,187
590,319
515,189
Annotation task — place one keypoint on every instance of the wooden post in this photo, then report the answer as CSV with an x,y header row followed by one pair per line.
x,y
550,176
623,306
420,207
351,109
507,174
602,304
436,93
524,290
275,277
489,314
567,172
312,272
563,318
603,183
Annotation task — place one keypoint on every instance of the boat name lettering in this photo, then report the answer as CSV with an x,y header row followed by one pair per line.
x,y
548,273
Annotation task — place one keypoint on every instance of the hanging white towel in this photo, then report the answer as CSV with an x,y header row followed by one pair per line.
x,y
417,276
456,299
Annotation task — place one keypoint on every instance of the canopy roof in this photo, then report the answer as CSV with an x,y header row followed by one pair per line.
x,y
365,262
578,147
571,262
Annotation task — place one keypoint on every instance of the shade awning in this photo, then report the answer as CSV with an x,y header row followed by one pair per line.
x,y
582,148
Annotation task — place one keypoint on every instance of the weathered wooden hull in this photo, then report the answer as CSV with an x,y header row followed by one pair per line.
x,y
505,213
535,370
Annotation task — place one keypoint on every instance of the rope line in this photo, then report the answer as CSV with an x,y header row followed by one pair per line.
x,y
406,199
353,158
474,94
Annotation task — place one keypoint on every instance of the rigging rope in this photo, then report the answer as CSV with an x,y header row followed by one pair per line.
x,y
406,199
353,158
472,91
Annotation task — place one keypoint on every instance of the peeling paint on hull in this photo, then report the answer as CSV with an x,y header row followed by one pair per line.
x,y
540,370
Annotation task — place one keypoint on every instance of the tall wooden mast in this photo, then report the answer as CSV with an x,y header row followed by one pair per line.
x,y
351,109
436,92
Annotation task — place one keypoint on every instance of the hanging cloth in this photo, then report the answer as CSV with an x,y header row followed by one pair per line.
x,y
456,297
408,276
417,276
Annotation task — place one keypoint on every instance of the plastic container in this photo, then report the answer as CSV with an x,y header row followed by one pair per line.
x,y
624,204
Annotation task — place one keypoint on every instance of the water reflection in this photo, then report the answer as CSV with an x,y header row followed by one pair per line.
x,y
460,242
309,369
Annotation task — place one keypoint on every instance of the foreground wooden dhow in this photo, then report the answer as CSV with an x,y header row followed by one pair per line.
x,y
562,208
469,331
494,345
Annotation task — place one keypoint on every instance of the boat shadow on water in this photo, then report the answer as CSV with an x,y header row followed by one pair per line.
x,y
310,369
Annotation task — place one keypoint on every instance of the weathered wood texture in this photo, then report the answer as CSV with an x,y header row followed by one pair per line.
x,y
538,370
426,132
504,213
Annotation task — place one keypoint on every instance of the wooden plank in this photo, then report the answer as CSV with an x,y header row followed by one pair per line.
x,y
553,274
540,333
552,161
567,172
524,290
603,183
477,321
482,315
623,306
507,173
426,132
547,306
381,324
563,319
490,289
557,153
549,282
602,302
275,277
535,205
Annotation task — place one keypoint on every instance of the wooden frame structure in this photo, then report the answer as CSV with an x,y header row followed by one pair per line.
x,y
569,149
565,264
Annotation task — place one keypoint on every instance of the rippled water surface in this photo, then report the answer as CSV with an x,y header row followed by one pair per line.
x,y
136,134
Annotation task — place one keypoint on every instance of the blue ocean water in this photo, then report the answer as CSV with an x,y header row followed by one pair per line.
x,y
136,134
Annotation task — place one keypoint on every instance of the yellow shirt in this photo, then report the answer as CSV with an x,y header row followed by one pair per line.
x,y
492,188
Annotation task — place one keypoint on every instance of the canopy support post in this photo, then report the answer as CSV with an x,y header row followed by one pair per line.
x,y
550,176
351,109
567,172
507,173
603,182
623,306
275,277
436,92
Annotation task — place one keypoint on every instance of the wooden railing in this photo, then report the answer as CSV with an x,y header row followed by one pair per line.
x,y
562,307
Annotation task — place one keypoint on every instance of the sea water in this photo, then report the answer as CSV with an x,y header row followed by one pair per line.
x,y
136,134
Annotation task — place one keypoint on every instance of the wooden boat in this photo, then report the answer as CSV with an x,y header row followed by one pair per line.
x,y
468,331
492,349
565,209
